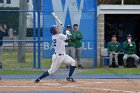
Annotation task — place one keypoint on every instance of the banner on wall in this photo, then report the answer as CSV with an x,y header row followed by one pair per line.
x,y
81,12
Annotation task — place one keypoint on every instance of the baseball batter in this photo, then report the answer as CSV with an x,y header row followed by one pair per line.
x,y
60,55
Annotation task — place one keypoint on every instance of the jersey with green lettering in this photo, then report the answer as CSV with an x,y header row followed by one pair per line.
x,y
113,47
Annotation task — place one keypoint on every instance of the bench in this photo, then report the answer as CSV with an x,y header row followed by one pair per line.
x,y
105,55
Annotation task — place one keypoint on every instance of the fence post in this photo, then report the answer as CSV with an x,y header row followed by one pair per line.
x,y
34,33
39,59
22,31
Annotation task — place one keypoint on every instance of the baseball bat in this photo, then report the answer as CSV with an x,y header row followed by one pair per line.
x,y
56,17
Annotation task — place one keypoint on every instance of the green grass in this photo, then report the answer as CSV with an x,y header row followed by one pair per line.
x,y
10,61
134,71
111,71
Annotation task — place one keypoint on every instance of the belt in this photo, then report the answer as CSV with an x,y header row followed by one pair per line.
x,y
60,54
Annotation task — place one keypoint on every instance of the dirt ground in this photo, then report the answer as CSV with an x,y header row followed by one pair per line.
x,y
81,86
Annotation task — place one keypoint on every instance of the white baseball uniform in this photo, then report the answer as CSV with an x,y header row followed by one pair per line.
x,y
60,55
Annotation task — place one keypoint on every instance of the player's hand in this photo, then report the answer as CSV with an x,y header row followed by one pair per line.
x,y
67,40
68,32
113,53
2,29
5,26
79,38
129,41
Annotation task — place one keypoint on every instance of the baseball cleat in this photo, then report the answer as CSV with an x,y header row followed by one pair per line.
x,y
70,79
37,80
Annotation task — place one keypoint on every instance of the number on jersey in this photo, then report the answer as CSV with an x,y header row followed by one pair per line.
x,y
54,42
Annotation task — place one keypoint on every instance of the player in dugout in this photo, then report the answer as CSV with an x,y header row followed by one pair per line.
x,y
113,50
130,50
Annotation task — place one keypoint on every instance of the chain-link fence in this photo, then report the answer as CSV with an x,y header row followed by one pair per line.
x,y
20,28
21,31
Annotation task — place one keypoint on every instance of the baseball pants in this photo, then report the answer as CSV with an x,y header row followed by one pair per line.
x,y
111,58
78,52
58,59
133,56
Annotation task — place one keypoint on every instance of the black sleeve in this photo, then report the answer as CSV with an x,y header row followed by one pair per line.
x,y
5,33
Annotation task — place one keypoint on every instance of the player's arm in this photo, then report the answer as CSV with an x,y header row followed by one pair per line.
x,y
4,30
66,38
109,48
79,37
126,46
119,48
63,37
133,48
72,37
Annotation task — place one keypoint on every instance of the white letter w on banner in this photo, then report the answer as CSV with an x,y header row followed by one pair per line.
x,y
72,7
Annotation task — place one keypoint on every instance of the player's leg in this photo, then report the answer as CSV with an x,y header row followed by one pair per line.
x,y
116,60
136,59
68,53
110,59
69,60
56,62
124,59
72,49
52,69
76,54
79,56
79,51
71,53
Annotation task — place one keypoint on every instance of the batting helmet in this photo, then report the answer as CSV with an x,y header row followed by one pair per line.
x,y
52,29
68,26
